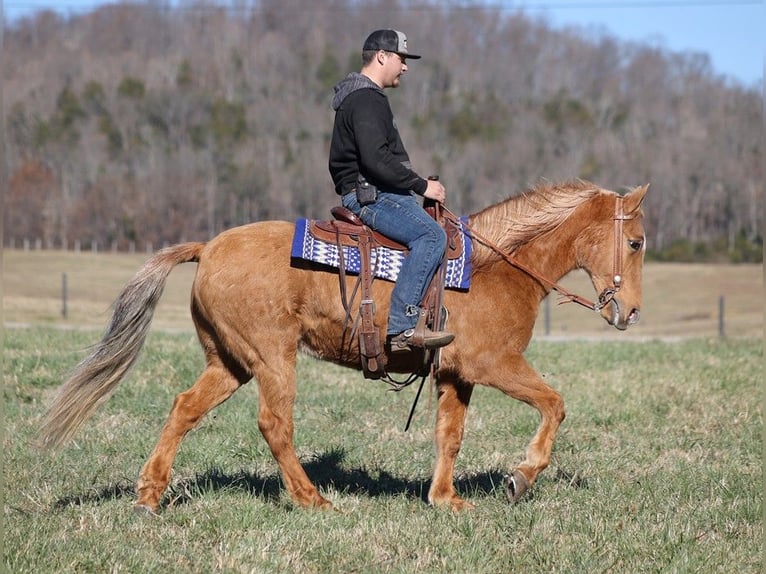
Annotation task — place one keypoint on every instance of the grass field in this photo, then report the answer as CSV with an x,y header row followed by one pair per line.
x,y
657,468
680,300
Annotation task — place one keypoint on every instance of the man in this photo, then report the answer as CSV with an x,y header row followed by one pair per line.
x,y
373,174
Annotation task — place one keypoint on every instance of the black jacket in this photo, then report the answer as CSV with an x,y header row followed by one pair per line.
x,y
365,138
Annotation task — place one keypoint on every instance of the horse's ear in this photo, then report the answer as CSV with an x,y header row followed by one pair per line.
x,y
635,198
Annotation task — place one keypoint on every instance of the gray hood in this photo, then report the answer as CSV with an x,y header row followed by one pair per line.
x,y
351,83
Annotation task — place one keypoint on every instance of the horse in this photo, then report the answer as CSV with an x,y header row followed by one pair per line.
x,y
254,309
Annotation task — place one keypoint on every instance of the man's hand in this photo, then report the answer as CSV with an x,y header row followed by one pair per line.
x,y
435,191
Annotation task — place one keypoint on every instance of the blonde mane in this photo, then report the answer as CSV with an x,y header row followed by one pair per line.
x,y
517,220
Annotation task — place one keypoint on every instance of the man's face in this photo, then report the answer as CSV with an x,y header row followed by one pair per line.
x,y
395,65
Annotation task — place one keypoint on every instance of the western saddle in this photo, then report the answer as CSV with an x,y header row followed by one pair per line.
x,y
348,230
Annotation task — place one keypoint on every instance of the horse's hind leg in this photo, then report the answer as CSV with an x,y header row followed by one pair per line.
x,y
216,384
276,382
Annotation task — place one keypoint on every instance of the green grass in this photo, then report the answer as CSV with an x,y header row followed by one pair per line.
x,y
657,468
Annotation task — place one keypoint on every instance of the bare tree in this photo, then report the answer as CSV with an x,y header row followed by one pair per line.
x,y
194,117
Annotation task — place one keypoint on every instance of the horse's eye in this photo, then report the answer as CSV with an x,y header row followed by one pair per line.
x,y
635,244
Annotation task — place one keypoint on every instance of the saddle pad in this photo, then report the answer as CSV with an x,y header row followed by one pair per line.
x,y
386,262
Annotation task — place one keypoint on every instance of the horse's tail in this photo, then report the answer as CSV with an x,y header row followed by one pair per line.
x,y
96,377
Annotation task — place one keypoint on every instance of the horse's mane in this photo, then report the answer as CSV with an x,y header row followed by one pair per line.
x,y
513,222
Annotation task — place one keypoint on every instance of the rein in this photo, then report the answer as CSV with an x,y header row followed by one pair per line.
x,y
567,296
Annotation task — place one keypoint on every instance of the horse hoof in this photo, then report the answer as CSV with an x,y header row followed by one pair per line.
x,y
515,486
145,511
461,505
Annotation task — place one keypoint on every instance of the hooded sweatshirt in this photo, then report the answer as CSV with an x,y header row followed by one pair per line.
x,y
365,139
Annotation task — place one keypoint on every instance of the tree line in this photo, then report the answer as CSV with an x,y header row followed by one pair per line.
x,y
151,123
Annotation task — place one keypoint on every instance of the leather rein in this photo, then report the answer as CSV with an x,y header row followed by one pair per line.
x,y
604,298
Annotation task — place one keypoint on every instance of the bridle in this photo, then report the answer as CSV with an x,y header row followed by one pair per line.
x,y
604,298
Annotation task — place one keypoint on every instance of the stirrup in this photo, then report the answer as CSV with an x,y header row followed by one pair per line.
x,y
426,339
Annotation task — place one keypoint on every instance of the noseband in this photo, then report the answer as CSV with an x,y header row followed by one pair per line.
x,y
605,297
608,294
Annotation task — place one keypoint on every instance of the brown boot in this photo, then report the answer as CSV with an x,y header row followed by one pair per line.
x,y
427,338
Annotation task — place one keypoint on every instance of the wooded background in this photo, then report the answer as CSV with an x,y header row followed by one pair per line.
x,y
151,124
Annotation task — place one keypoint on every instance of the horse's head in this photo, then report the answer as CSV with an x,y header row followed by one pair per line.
x,y
612,252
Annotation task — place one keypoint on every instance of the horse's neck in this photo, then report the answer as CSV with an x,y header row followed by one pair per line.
x,y
551,255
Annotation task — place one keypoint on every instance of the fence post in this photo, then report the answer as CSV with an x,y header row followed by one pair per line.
x,y
64,311
721,331
548,315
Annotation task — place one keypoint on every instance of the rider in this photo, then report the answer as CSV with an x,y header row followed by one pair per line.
x,y
373,174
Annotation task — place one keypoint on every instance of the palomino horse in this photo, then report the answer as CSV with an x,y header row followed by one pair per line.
x,y
254,309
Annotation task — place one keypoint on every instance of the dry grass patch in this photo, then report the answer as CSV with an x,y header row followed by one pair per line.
x,y
680,300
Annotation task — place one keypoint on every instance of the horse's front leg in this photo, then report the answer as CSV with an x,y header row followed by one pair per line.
x,y
526,385
450,422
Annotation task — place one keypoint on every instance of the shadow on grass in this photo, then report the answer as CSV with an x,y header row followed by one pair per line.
x,y
97,495
325,471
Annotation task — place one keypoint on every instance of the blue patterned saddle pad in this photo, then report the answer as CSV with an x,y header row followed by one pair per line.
x,y
385,261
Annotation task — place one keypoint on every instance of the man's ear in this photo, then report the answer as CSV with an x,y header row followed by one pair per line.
x,y
380,56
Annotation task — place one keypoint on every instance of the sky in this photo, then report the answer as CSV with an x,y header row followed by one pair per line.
x,y
731,32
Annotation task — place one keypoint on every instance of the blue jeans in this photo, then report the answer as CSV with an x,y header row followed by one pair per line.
x,y
401,217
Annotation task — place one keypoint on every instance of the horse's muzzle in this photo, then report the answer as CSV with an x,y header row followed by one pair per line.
x,y
620,322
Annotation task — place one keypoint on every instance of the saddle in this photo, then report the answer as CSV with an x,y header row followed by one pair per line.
x,y
344,230
348,230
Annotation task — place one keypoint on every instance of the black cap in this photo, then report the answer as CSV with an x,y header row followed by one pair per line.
x,y
390,41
